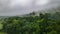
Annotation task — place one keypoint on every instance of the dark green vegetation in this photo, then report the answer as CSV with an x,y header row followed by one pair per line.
x,y
43,24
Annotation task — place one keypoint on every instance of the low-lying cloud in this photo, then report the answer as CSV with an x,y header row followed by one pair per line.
x,y
20,7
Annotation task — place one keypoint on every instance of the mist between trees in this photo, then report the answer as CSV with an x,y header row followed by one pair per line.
x,y
46,23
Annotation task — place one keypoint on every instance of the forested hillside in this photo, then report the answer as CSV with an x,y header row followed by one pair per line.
x,y
43,24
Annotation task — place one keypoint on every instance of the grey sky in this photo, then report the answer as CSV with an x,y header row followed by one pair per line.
x,y
19,7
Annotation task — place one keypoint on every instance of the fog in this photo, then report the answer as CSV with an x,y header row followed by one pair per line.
x,y
21,7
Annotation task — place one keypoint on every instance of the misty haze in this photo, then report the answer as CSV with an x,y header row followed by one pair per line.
x,y
21,7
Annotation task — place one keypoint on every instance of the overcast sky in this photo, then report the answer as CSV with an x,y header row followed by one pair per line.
x,y
19,7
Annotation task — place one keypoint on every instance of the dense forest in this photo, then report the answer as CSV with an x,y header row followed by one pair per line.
x,y
46,23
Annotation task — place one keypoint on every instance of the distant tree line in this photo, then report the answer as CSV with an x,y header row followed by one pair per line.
x,y
43,24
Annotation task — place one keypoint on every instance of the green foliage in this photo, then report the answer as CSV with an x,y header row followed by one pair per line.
x,y
3,33
1,26
44,24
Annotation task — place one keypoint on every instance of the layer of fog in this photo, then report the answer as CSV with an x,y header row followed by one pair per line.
x,y
20,7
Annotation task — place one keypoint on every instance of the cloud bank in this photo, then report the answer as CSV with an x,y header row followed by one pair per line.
x,y
20,7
